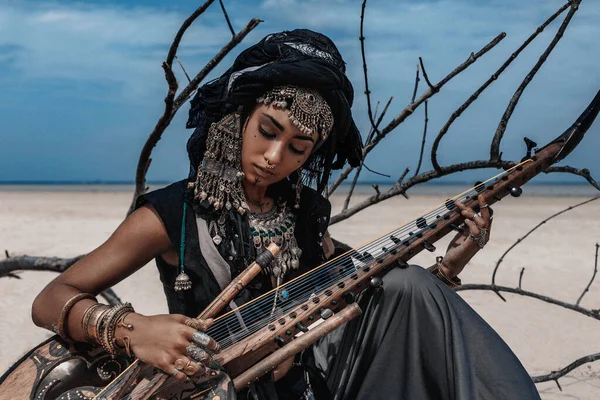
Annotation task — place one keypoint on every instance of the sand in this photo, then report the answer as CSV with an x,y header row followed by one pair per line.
x,y
558,261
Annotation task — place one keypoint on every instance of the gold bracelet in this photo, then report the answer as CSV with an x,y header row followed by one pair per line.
x,y
90,322
61,324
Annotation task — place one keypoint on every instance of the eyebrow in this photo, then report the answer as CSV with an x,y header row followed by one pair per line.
x,y
281,128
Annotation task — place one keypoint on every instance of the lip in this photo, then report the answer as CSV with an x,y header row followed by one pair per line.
x,y
263,171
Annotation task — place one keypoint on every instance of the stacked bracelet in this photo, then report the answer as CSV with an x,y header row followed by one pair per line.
x,y
437,271
90,321
63,317
109,324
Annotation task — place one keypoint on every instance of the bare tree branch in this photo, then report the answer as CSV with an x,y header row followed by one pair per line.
x,y
172,105
492,78
520,240
581,172
412,100
408,110
425,75
364,60
589,313
227,18
587,288
495,147
424,177
422,142
554,375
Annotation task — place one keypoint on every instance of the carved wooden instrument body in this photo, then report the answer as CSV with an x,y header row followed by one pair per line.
x,y
257,336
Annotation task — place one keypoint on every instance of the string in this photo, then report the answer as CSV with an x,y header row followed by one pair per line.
x,y
312,277
225,321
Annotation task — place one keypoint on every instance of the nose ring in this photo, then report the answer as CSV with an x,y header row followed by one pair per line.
x,y
269,165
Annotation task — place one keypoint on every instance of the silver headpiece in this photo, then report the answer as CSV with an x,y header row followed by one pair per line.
x,y
308,110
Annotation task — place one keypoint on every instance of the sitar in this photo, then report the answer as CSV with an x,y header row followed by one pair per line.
x,y
261,334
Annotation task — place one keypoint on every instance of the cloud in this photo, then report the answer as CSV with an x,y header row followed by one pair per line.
x,y
97,43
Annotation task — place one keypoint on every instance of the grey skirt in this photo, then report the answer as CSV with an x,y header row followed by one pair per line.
x,y
416,339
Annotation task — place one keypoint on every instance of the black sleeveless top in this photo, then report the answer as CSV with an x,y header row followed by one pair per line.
x,y
311,224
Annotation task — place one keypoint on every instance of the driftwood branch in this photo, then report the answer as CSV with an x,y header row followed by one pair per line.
x,y
496,288
587,288
227,18
417,80
173,104
487,83
495,147
555,375
365,73
422,141
408,110
521,239
580,172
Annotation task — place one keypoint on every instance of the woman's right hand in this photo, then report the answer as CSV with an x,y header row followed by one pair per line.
x,y
166,342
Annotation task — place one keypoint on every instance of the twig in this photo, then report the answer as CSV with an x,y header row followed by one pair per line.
x,y
520,240
227,18
399,182
492,78
28,263
415,180
423,141
589,313
408,110
587,288
186,24
412,100
555,375
183,69
364,60
375,172
521,278
347,201
581,172
185,94
425,75
495,147
376,187
173,105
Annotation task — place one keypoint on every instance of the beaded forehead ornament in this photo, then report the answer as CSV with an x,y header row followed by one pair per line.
x,y
308,110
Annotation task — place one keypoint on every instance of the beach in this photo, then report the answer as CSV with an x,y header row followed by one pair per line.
x,y
558,259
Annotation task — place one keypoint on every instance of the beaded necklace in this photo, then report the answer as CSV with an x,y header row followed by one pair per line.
x,y
276,226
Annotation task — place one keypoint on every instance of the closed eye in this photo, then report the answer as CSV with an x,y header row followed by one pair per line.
x,y
272,136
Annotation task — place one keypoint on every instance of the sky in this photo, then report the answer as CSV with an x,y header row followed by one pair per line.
x,y
82,84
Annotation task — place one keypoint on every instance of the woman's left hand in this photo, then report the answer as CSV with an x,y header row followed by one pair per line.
x,y
465,245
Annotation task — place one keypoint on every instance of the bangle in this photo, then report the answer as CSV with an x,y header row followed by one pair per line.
x,y
61,324
109,326
438,272
90,321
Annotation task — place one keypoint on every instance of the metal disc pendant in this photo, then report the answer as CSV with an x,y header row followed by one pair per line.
x,y
182,282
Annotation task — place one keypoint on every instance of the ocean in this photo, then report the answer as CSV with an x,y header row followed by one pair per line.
x,y
449,189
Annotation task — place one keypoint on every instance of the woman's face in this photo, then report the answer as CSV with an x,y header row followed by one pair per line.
x,y
271,139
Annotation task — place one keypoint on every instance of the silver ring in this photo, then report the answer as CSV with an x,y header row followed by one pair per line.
x,y
197,354
201,338
174,372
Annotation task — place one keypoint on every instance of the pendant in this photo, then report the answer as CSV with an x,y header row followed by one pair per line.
x,y
217,239
182,282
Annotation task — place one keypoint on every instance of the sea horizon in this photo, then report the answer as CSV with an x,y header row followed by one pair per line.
x,y
366,187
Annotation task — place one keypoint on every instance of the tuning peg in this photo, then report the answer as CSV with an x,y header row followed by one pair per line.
x,y
280,341
301,327
429,247
326,313
530,145
516,191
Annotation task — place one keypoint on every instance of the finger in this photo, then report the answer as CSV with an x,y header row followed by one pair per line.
x,y
487,237
473,228
198,354
203,340
199,324
177,374
484,209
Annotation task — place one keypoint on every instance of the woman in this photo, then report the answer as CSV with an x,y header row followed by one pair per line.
x,y
280,118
